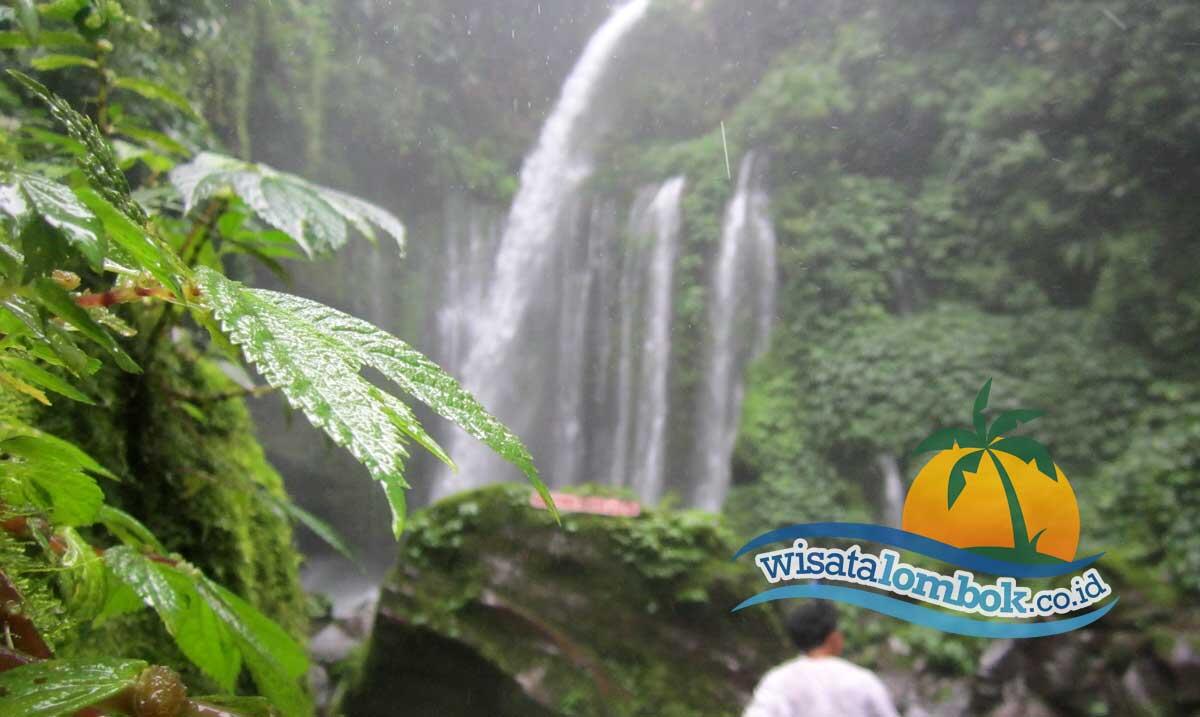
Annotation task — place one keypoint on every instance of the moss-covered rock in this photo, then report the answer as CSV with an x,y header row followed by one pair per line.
x,y
494,609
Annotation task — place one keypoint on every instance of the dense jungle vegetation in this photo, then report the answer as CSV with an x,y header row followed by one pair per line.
x,y
114,228
961,190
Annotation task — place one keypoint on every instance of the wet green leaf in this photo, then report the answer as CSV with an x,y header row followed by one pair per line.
x,y
314,355
144,249
172,593
159,93
58,302
60,687
99,164
27,197
316,218
50,62
51,474
276,661
35,374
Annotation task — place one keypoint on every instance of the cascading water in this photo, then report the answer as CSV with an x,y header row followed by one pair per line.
x,y
741,297
470,233
662,222
562,325
891,497
496,368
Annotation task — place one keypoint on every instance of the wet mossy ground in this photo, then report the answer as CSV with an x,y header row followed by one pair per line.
x,y
598,616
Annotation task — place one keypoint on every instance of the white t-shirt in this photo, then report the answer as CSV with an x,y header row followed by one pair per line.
x,y
820,687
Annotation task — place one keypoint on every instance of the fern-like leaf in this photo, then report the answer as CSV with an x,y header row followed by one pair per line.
x,y
314,354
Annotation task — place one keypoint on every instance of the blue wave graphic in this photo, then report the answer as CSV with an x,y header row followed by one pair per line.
x,y
918,544
919,615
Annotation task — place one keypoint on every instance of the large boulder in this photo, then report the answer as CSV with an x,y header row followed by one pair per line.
x,y
494,609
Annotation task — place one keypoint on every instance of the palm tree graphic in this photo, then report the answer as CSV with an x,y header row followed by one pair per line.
x,y
990,441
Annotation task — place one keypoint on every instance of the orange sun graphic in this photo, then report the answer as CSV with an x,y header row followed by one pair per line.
x,y
979,517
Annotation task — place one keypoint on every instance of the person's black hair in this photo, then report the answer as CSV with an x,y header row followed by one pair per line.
x,y
812,623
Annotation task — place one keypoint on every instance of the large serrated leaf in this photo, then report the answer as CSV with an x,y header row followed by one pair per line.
x,y
420,378
199,632
60,687
314,354
315,217
317,372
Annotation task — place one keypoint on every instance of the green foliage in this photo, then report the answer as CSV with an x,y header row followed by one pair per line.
x,y
50,474
216,629
314,354
316,218
97,267
1150,493
99,163
27,198
59,687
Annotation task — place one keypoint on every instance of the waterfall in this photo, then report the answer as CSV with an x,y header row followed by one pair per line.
x,y
580,270
470,233
496,367
638,454
740,307
891,496
662,222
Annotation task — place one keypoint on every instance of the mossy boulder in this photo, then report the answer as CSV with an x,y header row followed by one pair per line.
x,y
494,609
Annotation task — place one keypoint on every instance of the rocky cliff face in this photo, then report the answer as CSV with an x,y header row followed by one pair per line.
x,y
493,609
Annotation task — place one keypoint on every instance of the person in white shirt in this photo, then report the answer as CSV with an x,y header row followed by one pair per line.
x,y
818,683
